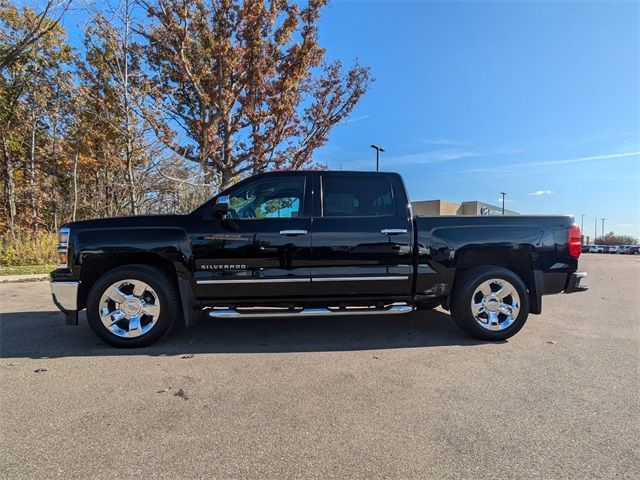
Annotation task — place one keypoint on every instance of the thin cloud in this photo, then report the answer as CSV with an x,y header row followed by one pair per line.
x,y
423,158
436,156
442,141
545,163
440,155
355,119
626,225
445,155
577,160
540,193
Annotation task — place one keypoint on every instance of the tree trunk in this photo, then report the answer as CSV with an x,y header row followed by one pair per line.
x,y
133,207
226,173
75,187
54,150
32,176
226,178
9,187
100,210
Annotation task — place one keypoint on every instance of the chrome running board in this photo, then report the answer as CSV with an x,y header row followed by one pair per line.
x,y
307,312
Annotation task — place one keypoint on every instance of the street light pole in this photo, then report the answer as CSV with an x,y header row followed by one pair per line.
x,y
503,195
595,231
582,229
603,227
378,149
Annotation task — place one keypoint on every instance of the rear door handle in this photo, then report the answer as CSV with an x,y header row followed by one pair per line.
x,y
293,232
393,231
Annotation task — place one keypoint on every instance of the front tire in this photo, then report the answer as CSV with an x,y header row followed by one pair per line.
x,y
132,306
490,303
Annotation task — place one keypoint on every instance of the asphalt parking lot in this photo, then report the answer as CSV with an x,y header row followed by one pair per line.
x,y
384,397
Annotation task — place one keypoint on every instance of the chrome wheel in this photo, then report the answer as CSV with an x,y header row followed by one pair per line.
x,y
495,304
129,308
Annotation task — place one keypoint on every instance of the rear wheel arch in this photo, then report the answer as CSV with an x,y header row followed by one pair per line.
x,y
518,260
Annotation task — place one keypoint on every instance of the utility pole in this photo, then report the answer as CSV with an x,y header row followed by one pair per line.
x,y
503,195
603,227
378,149
582,230
595,231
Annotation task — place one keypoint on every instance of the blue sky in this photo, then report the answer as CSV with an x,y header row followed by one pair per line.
x,y
537,99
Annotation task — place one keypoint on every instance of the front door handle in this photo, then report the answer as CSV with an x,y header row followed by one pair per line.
x,y
292,233
393,231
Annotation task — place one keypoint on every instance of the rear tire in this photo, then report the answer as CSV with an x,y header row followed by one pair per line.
x,y
132,306
490,303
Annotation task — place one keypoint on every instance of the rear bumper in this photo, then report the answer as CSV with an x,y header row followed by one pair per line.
x,y
574,283
65,296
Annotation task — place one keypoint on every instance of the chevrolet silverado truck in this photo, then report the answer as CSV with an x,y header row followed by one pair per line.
x,y
311,243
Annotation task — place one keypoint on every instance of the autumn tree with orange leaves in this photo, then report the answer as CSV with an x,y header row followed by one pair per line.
x,y
243,86
161,103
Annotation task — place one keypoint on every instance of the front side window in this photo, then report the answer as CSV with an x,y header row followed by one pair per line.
x,y
268,198
356,196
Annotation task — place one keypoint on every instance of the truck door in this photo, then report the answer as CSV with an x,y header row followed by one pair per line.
x,y
262,249
362,236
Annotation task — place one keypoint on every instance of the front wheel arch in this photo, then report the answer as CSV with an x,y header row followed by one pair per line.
x,y
96,265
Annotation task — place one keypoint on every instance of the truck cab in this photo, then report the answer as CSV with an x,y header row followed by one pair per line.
x,y
303,235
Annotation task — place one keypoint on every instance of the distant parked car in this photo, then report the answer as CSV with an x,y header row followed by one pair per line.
x,y
585,248
596,249
605,248
634,250
614,249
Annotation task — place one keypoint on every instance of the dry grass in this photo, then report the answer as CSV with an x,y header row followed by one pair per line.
x,y
26,269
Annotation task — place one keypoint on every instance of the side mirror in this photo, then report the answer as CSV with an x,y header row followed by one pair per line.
x,y
222,206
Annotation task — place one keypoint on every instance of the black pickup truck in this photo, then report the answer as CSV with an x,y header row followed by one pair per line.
x,y
311,243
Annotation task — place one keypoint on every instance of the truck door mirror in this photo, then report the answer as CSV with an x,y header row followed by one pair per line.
x,y
222,206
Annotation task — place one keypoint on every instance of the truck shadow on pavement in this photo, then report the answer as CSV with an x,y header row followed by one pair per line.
x,y
44,334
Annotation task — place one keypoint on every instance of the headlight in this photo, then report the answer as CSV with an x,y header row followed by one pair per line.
x,y
63,237
63,247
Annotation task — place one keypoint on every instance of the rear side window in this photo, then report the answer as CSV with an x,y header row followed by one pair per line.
x,y
357,196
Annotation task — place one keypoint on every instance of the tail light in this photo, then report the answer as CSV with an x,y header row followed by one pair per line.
x,y
575,241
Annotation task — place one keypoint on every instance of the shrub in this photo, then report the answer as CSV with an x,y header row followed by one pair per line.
x,y
28,249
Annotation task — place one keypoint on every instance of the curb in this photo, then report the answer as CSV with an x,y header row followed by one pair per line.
x,y
37,277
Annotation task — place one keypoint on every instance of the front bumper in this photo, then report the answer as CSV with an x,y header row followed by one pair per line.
x,y
65,296
574,283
